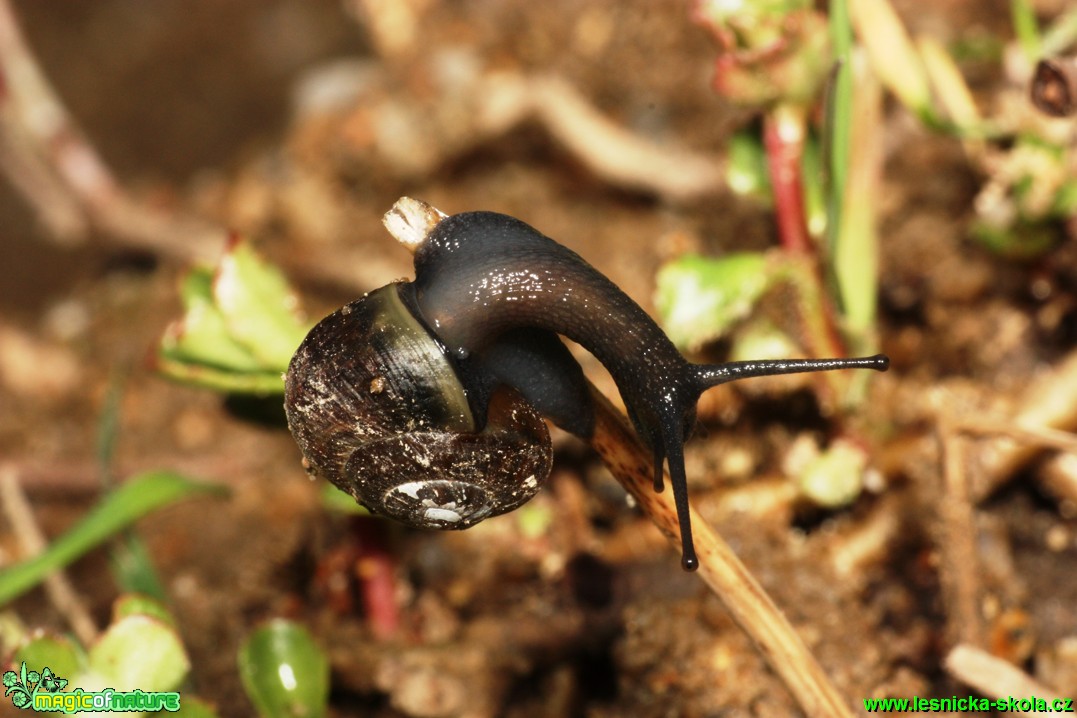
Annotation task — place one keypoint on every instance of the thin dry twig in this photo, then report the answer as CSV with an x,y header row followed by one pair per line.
x,y
993,676
413,135
1050,403
50,162
632,465
52,165
957,543
60,591
748,604
614,153
1035,436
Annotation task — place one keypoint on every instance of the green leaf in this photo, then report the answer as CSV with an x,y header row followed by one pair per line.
x,y
760,339
259,382
56,653
203,336
140,652
700,298
119,508
284,672
746,166
135,604
133,568
835,477
336,500
258,306
192,708
239,329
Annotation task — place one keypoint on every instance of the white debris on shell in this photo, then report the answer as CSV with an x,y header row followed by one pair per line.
x,y
449,512
441,514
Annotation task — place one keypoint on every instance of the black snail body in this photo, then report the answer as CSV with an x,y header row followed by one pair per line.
x,y
481,318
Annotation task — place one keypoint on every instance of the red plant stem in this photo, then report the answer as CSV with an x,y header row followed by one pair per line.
x,y
375,569
783,138
784,128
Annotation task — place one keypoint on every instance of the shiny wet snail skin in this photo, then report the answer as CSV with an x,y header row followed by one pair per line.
x,y
423,399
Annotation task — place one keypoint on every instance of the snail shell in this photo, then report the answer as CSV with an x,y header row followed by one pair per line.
x,y
377,407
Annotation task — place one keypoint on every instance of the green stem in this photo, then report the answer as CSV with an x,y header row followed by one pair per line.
x,y
1026,29
1061,34
837,137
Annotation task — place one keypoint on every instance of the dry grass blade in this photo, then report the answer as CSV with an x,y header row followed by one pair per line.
x,y
993,676
957,544
59,590
747,602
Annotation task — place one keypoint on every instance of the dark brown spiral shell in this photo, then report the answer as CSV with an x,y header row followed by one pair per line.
x,y
378,409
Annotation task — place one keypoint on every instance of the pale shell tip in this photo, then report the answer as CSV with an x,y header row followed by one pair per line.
x,y
411,220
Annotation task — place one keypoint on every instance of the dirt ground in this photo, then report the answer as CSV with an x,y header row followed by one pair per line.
x,y
298,123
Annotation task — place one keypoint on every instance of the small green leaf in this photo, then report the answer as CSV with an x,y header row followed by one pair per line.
x,y
258,306
835,477
119,508
700,298
336,500
535,519
57,653
1020,241
760,339
140,652
193,708
746,167
285,673
133,568
136,604
203,336
239,328
259,382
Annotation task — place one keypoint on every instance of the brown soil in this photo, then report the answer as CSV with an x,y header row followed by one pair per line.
x,y
591,615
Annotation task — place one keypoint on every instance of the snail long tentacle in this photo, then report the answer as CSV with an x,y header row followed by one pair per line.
x,y
708,375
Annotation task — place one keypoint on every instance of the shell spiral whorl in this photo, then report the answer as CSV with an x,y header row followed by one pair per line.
x,y
378,409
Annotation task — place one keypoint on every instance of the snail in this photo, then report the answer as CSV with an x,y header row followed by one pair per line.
x,y
424,399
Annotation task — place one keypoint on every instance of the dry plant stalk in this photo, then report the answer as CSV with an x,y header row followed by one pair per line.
x,y
59,590
993,676
1049,403
62,176
49,161
960,572
632,464
749,605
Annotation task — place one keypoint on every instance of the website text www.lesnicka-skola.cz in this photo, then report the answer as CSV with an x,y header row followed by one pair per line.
x,y
969,704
